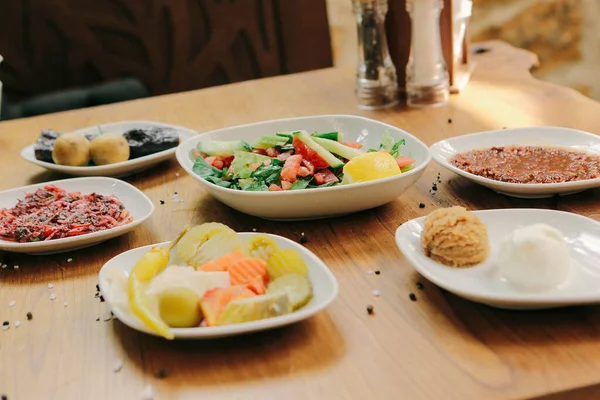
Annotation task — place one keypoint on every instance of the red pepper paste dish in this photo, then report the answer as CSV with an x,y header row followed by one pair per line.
x,y
53,213
529,164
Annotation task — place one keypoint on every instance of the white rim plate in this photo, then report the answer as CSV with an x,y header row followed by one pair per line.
x,y
325,289
136,202
443,150
483,283
319,202
118,169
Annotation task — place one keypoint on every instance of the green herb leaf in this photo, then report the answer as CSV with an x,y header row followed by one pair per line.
x,y
387,141
395,152
258,186
247,146
301,184
219,182
204,169
270,174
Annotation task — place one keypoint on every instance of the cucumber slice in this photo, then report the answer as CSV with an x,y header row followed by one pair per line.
x,y
222,148
337,136
337,148
324,154
288,135
266,142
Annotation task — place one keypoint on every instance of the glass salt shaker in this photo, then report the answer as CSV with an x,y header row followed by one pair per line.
x,y
376,80
427,81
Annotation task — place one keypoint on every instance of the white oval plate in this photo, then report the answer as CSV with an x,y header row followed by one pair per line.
x,y
325,289
443,150
483,283
319,202
117,169
136,202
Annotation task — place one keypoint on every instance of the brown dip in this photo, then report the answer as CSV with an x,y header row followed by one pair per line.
x,y
529,164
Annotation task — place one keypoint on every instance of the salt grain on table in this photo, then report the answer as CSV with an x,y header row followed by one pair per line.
x,y
17,324
16,267
65,304
12,303
118,366
69,259
370,272
50,286
177,174
4,265
375,292
5,327
52,296
147,393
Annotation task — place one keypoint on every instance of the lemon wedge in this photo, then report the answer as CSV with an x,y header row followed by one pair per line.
x,y
369,167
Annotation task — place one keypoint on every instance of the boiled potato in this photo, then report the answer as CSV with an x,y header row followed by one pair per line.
x,y
71,149
109,148
179,307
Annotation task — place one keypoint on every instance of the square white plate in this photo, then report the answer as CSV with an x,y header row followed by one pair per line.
x,y
443,150
483,283
318,202
117,169
136,202
325,289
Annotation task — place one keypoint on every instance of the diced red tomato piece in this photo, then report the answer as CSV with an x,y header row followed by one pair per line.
x,y
286,185
215,161
227,161
290,169
275,188
283,156
308,154
354,145
325,176
273,152
260,151
404,161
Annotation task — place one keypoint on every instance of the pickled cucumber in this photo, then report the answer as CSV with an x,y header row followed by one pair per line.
x,y
284,262
255,308
206,242
179,307
296,287
260,246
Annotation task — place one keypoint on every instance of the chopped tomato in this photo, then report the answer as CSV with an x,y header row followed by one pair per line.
x,y
260,151
325,176
215,161
308,154
286,185
404,161
354,145
290,169
255,166
275,188
273,152
227,161
283,156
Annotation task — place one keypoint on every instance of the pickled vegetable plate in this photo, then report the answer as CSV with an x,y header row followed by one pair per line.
x,y
324,290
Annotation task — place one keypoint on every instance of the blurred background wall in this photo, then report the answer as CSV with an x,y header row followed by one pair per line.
x,y
565,34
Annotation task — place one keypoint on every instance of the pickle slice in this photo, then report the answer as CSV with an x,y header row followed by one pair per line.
x,y
260,246
206,242
255,308
284,262
296,287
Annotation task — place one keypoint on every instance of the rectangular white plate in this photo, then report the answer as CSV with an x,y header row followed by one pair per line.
x,y
117,169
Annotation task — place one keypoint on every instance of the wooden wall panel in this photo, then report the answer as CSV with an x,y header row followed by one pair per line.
x,y
171,45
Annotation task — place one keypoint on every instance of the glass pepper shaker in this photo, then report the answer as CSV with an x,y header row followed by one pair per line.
x,y
376,80
427,81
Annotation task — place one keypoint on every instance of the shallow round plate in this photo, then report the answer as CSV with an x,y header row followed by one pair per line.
x,y
483,283
319,202
117,169
535,136
136,202
325,289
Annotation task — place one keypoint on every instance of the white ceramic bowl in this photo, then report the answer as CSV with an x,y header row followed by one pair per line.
x,y
319,202
117,169
484,284
136,202
443,150
324,284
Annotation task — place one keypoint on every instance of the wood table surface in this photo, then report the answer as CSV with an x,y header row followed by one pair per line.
x,y
438,347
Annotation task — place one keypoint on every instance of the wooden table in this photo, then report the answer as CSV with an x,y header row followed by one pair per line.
x,y
439,347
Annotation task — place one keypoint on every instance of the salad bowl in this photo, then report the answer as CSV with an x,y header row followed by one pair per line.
x,y
318,202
